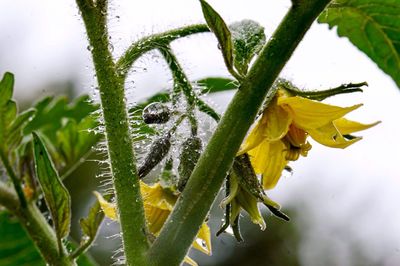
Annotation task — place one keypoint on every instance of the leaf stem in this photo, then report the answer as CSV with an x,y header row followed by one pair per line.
x,y
206,180
118,137
16,182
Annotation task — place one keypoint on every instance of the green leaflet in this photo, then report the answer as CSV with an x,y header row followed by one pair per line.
x,y
6,88
248,38
55,194
91,223
221,31
216,84
373,26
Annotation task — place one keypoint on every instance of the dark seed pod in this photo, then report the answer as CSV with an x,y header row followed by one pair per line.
x,y
156,113
190,153
158,150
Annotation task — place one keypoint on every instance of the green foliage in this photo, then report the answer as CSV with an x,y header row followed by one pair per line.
x,y
248,38
221,31
15,246
373,26
55,194
216,84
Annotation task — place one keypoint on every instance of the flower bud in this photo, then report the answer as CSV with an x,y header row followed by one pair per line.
x,y
156,113
158,150
190,153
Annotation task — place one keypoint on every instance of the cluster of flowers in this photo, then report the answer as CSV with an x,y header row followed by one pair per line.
x,y
280,135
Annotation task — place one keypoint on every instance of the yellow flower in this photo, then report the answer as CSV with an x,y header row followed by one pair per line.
x,y
280,135
158,204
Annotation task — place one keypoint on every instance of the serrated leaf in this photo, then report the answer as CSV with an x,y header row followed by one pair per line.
x,y
216,84
55,194
373,26
248,38
221,31
6,88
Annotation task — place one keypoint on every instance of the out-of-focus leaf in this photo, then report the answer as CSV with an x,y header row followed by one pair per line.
x,y
8,112
6,88
373,26
75,139
216,84
15,131
51,112
16,248
90,225
248,38
221,31
55,194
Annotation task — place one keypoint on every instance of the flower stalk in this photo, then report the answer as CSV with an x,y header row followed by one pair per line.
x,y
207,178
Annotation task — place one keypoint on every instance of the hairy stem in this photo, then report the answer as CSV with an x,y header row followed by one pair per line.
x,y
119,141
155,41
206,180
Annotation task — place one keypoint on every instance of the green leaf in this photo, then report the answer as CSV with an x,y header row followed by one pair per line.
x,y
8,112
90,225
6,88
248,38
15,131
373,26
221,31
216,84
16,248
55,194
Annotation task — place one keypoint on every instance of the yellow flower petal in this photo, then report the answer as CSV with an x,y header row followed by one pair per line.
x,y
157,196
189,261
269,159
308,114
205,236
255,137
109,209
346,126
328,135
258,156
155,218
277,123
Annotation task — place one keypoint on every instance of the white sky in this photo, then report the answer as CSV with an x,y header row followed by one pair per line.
x,y
350,195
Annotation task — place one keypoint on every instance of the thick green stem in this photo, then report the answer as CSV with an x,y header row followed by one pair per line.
x,y
36,226
119,140
206,180
156,41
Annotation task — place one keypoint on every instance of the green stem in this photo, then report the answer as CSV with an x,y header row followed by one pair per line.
x,y
206,180
36,226
154,42
119,141
16,182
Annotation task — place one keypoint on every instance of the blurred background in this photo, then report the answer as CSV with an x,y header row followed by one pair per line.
x,y
343,203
